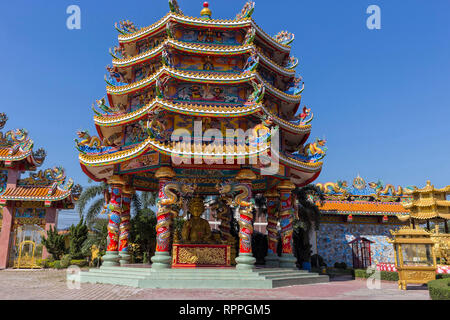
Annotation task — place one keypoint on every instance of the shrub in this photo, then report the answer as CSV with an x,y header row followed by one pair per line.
x,y
57,264
78,235
384,275
44,263
80,262
442,276
54,243
340,265
65,260
439,289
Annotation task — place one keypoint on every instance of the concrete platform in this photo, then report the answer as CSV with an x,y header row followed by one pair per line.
x,y
201,278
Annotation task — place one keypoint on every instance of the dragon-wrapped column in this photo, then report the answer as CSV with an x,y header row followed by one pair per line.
x,y
162,259
113,202
272,198
245,261
124,228
287,259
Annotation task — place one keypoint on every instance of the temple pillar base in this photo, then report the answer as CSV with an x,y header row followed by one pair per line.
x,y
288,260
161,260
125,258
111,259
272,260
245,261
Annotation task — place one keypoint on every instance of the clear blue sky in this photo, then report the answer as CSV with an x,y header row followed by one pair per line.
x,y
381,97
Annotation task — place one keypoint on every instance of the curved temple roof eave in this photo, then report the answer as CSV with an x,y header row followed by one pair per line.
x,y
180,108
149,143
202,77
188,76
196,110
228,24
210,49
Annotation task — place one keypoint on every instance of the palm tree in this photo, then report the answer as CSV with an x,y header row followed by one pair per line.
x,y
92,201
308,211
94,197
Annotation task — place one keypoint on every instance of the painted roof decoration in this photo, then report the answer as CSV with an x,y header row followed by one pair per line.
x,y
228,73
17,147
49,186
373,198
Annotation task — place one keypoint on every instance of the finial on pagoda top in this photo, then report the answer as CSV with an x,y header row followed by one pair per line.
x,y
206,12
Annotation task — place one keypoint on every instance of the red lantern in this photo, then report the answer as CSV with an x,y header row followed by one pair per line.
x,y
385,219
349,218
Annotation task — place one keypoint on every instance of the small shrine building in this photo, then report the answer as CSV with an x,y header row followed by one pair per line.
x,y
29,206
358,210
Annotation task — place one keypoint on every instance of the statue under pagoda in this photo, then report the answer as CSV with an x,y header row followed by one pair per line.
x,y
196,230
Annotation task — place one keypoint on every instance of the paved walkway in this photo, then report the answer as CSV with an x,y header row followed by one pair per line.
x,y
51,284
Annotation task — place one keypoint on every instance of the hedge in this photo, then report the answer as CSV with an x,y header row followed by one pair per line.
x,y
384,275
46,263
439,289
80,263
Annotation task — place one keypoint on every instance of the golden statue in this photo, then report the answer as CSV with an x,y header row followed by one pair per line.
x,y
196,230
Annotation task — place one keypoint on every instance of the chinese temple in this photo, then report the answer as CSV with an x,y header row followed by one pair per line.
x,y
199,107
359,210
29,205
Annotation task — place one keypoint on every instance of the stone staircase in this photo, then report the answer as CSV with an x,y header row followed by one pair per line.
x,y
205,278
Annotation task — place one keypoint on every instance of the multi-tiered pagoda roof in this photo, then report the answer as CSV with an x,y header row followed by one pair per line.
x,y
227,73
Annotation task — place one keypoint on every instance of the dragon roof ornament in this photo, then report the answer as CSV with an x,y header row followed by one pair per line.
x,y
284,37
3,120
247,11
361,190
45,177
174,7
126,27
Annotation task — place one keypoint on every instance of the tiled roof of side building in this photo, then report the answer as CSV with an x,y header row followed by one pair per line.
x,y
362,207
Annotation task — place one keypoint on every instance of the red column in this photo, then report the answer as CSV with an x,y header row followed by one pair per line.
x,y
243,200
5,236
115,207
127,193
51,220
286,221
272,200
162,259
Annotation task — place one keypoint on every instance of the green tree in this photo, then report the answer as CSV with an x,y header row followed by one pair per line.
x,y
143,226
96,237
91,202
78,235
54,243
308,217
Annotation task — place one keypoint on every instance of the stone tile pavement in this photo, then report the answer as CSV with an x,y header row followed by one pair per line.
x,y
51,284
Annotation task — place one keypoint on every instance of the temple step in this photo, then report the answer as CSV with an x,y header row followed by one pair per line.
x,y
262,278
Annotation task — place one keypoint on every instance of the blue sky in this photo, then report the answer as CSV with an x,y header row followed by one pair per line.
x,y
381,98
